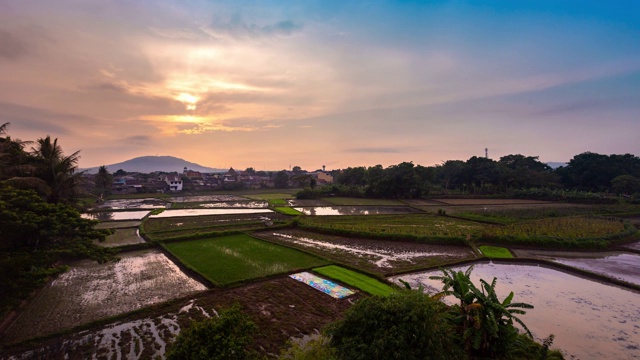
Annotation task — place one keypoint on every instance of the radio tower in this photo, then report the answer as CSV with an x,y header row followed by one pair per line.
x,y
486,153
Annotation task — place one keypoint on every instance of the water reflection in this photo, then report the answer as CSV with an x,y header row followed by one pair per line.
x,y
236,205
116,215
355,210
205,198
624,267
202,212
118,204
590,320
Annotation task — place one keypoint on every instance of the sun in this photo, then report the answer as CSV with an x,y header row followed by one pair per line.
x,y
188,100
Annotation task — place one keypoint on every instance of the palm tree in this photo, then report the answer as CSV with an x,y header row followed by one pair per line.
x,y
57,171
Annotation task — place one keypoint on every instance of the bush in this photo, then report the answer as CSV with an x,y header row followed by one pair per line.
x,y
224,337
407,325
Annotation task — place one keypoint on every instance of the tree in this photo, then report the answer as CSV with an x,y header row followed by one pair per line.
x,y
450,173
352,176
56,170
35,236
523,172
281,180
103,182
16,165
480,172
626,184
407,325
225,337
297,170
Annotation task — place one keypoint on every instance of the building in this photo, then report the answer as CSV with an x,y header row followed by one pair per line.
x,y
172,180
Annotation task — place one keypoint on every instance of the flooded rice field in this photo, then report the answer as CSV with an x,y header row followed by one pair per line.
x,y
204,212
121,204
621,266
633,246
90,291
378,256
617,265
122,237
355,210
236,205
206,198
282,308
116,215
590,320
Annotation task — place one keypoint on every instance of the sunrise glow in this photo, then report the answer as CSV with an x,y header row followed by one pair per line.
x,y
341,84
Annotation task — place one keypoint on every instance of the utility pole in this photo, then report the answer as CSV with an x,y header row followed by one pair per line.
x,y
486,153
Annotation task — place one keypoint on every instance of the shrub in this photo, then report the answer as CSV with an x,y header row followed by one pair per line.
x,y
407,325
224,337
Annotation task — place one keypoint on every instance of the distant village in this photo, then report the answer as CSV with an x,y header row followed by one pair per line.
x,y
190,180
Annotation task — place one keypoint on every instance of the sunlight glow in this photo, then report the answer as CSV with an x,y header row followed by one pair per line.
x,y
188,100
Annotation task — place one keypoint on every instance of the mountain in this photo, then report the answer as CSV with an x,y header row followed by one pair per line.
x,y
149,164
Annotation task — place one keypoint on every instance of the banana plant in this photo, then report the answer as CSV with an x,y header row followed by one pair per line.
x,y
485,323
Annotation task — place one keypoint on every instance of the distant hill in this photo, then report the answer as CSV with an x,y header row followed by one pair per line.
x,y
149,164
555,165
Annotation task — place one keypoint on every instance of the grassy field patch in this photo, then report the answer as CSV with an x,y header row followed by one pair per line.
x,y
231,259
270,196
356,279
419,225
495,252
277,202
287,210
566,228
571,232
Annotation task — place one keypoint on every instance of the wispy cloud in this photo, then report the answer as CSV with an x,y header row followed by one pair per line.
x,y
383,150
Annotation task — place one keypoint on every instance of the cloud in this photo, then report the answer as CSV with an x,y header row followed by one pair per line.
x,y
282,28
44,121
236,27
107,86
11,48
383,150
137,140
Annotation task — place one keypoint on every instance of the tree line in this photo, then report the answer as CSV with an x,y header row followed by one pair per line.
x,y
586,172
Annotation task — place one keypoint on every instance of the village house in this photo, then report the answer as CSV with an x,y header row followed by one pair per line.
x,y
172,180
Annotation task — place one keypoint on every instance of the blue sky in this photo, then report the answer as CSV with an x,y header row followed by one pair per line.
x,y
269,84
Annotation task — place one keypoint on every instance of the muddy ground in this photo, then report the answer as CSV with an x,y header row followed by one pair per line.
x,y
90,291
122,237
377,256
282,308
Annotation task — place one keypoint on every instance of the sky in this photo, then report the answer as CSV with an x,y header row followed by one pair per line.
x,y
274,84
